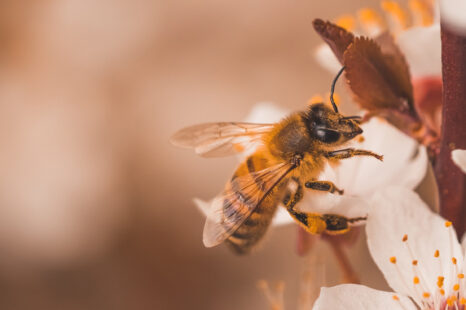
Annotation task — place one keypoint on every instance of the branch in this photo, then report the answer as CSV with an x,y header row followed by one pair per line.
x,y
451,180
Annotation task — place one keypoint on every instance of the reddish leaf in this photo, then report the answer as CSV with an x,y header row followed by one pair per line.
x,y
379,81
336,37
396,60
378,75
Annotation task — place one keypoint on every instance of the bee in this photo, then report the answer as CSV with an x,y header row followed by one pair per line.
x,y
290,157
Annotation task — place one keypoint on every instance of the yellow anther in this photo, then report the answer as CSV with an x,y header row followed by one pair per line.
x,y
415,262
453,260
447,224
450,302
405,238
463,301
437,253
422,12
395,297
426,294
316,99
440,281
460,275
370,16
393,260
371,21
346,21
442,292
416,280
456,287
394,9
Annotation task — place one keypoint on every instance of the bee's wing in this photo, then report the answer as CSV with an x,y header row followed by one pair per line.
x,y
231,208
220,139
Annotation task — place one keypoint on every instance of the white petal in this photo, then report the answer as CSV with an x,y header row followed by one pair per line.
x,y
361,176
453,14
327,59
459,158
359,297
395,212
463,244
266,112
325,203
422,49
404,164
282,217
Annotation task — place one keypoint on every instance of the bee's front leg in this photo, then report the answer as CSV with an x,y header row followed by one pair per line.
x,y
350,152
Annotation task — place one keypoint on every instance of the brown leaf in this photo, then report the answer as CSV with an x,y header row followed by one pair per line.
x,y
379,81
336,37
396,60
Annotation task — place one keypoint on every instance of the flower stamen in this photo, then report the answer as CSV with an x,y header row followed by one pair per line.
x,y
421,12
347,22
371,22
419,277
396,14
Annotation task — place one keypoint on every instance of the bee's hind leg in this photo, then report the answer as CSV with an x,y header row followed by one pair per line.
x,y
337,224
325,186
311,222
316,223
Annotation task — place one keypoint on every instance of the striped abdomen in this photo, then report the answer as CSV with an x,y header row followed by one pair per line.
x,y
249,188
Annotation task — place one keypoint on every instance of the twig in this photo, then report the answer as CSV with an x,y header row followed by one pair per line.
x,y
349,275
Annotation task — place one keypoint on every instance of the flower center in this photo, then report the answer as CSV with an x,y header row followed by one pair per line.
x,y
438,296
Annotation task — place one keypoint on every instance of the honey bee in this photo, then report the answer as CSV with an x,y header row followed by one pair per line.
x,y
292,151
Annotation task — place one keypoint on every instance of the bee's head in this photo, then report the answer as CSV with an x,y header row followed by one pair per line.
x,y
330,127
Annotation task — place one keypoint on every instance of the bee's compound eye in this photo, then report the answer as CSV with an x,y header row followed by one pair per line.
x,y
327,135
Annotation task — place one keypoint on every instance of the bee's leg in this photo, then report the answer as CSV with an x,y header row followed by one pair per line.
x,y
337,224
311,222
325,186
347,153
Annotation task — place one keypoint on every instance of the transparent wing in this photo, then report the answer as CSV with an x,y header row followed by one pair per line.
x,y
231,208
220,139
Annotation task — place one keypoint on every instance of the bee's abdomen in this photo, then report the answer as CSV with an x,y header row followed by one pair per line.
x,y
253,228
251,231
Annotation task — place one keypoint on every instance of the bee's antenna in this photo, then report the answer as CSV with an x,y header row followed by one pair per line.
x,y
332,90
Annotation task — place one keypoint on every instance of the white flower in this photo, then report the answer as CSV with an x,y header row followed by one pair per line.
x,y
405,164
459,158
416,250
422,50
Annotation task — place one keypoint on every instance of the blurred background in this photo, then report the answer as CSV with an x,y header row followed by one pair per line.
x,y
96,206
